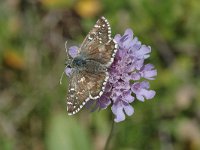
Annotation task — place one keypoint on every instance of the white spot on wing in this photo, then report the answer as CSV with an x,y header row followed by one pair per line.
x,y
100,93
96,26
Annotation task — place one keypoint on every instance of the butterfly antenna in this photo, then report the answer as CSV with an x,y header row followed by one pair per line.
x,y
66,46
66,50
61,77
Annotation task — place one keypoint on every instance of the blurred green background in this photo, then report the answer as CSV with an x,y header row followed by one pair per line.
x,y
32,57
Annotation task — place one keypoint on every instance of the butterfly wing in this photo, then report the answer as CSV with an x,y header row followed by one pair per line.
x,y
83,87
98,44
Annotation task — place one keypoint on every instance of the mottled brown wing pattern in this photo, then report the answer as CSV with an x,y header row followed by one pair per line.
x,y
76,94
104,53
98,44
100,34
83,87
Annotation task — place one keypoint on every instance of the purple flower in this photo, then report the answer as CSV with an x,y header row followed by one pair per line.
x,y
140,89
125,74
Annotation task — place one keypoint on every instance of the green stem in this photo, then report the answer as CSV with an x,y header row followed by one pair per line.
x,y
110,136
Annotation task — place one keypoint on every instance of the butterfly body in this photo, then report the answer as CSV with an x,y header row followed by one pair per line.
x,y
89,76
91,66
79,63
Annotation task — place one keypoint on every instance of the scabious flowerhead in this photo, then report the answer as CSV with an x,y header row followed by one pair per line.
x,y
128,76
125,74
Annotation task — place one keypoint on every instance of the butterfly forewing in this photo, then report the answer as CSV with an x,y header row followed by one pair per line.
x,y
98,44
100,34
83,87
104,53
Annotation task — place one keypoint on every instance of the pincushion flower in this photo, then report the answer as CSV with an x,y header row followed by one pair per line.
x,y
128,76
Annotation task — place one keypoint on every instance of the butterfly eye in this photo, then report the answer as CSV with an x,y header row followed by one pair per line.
x,y
68,63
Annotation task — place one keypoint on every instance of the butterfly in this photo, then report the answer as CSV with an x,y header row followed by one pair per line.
x,y
90,66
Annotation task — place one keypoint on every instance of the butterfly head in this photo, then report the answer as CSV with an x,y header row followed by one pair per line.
x,y
77,63
68,63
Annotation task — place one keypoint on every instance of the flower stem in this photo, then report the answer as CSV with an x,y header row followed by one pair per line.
x,y
110,136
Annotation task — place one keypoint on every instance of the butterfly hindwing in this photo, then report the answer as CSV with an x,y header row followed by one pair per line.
x,y
76,94
83,87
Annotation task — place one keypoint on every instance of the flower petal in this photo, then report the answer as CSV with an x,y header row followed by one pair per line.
x,y
139,63
135,76
103,102
144,85
148,94
117,38
143,52
148,72
129,32
137,45
73,51
129,110
127,96
141,90
119,114
127,38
